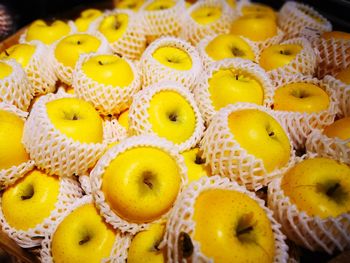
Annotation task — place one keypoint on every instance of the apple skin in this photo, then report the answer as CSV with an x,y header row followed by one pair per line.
x,y
109,70
336,35
82,236
196,167
40,30
12,151
141,184
129,4
77,119
5,70
22,53
114,26
206,15
171,116
173,57
228,86
232,227
123,119
344,76
277,56
86,17
338,129
262,136
159,5
229,46
259,9
35,196
301,97
71,47
319,187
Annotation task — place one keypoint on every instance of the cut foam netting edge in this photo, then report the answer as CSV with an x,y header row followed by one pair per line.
x,y
117,254
139,117
52,150
69,191
114,131
181,220
65,73
107,99
96,176
228,159
301,124
201,89
329,234
153,71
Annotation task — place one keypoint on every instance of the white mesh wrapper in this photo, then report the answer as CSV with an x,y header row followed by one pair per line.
x,y
65,73
153,71
314,233
97,174
53,151
15,89
207,60
10,175
69,191
118,253
139,116
227,158
133,41
293,18
301,124
181,220
304,63
241,66
166,22
262,44
107,99
195,32
115,132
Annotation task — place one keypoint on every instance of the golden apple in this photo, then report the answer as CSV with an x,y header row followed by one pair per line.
x,y
129,4
232,3
123,119
173,57
86,17
5,70
22,53
339,129
336,35
344,75
206,14
158,5
195,164
114,26
258,9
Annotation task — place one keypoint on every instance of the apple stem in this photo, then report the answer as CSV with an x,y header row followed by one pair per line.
x,y
244,230
28,193
78,42
236,77
185,244
199,159
100,63
173,117
84,240
6,53
271,134
332,189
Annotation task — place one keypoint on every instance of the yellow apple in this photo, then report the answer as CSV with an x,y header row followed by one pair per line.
x,y
262,136
173,57
86,17
109,70
301,97
76,118
256,27
114,26
232,3
258,9
232,227
171,116
141,184
228,86
5,70
129,4
144,246
206,15
277,56
22,53
47,33
158,5
319,187
339,129
71,47
123,119
30,200
12,151
82,236
336,35
229,46
196,167
344,75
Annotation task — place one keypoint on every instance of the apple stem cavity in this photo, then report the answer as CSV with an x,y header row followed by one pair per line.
x,y
199,160
245,226
147,177
185,245
28,193
84,240
6,53
100,63
78,42
285,52
237,52
173,117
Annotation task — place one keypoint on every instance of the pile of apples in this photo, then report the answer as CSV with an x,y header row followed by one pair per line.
x,y
174,131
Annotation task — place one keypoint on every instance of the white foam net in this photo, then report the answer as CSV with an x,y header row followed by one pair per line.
x,y
153,71
98,171
139,116
69,191
114,131
181,220
241,66
228,159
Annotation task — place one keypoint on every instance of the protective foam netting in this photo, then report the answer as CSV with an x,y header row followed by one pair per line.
x,y
98,171
10,175
65,73
15,89
195,32
293,17
301,124
132,43
329,234
118,252
239,66
69,191
139,116
228,159
114,130
53,151
153,71
181,221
